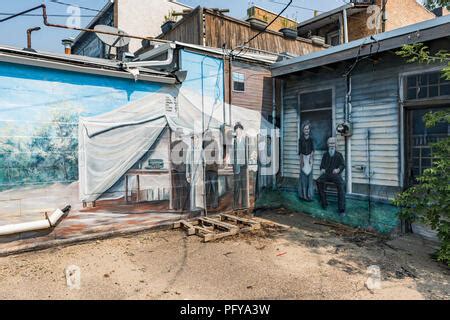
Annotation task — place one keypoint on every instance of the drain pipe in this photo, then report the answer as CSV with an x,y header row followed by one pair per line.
x,y
348,142
49,222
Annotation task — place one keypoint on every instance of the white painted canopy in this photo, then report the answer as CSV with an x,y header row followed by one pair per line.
x,y
110,144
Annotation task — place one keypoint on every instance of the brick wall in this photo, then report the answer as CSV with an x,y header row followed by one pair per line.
x,y
405,12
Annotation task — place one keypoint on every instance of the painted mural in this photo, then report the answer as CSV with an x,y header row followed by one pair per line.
x,y
109,146
39,121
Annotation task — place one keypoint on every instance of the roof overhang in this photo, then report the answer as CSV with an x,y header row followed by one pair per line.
x,y
80,64
330,17
421,32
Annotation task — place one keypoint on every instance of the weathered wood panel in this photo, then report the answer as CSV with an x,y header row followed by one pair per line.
x,y
223,31
188,30
258,88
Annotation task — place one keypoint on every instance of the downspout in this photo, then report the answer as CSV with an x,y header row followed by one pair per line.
x,y
344,16
282,130
274,114
49,222
383,17
230,85
348,141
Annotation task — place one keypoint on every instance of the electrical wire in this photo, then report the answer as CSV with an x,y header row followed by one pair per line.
x,y
74,5
260,32
294,6
49,15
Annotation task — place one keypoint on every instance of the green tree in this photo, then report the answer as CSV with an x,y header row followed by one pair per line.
x,y
429,200
433,4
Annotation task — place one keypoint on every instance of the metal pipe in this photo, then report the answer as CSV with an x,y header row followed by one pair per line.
x,y
49,222
348,143
48,24
29,31
20,13
369,176
274,123
344,16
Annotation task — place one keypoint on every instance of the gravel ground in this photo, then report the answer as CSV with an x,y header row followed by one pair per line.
x,y
307,261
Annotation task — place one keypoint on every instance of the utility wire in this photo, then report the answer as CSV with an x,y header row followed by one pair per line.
x,y
294,6
260,32
49,15
74,5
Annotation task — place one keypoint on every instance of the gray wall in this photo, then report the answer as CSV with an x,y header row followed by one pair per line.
x,y
376,106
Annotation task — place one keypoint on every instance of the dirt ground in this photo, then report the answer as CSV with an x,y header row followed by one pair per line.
x,y
307,261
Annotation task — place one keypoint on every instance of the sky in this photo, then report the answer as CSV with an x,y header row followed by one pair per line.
x,y
13,32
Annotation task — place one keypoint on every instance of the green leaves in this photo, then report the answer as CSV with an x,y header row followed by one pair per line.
x,y
433,4
429,201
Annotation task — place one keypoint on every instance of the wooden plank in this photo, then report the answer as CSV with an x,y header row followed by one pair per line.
x,y
221,224
237,219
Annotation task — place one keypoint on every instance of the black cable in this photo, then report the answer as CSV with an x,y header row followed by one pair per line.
x,y
294,6
49,15
260,32
74,5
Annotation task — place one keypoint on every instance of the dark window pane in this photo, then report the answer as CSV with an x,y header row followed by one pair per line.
x,y
412,81
416,152
423,92
433,78
433,91
445,90
316,100
412,93
426,152
426,163
239,86
423,80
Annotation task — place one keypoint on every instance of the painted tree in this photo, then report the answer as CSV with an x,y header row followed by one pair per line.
x,y
429,200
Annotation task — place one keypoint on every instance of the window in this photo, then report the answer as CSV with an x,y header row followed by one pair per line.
x,y
317,108
334,38
238,82
419,139
426,86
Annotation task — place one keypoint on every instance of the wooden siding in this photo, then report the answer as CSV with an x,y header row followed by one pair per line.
x,y
205,27
375,107
188,30
225,31
258,88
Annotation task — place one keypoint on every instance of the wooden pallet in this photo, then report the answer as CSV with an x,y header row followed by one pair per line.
x,y
221,226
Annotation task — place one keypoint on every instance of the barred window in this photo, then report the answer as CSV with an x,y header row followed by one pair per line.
x,y
426,86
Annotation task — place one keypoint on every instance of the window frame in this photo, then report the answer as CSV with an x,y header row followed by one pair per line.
x,y
243,81
332,108
333,34
413,101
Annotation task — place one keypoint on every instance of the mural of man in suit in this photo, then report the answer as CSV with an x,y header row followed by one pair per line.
x,y
332,166
306,153
240,161
211,157
180,172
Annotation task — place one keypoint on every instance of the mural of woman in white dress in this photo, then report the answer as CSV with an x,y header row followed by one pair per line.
x,y
306,153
